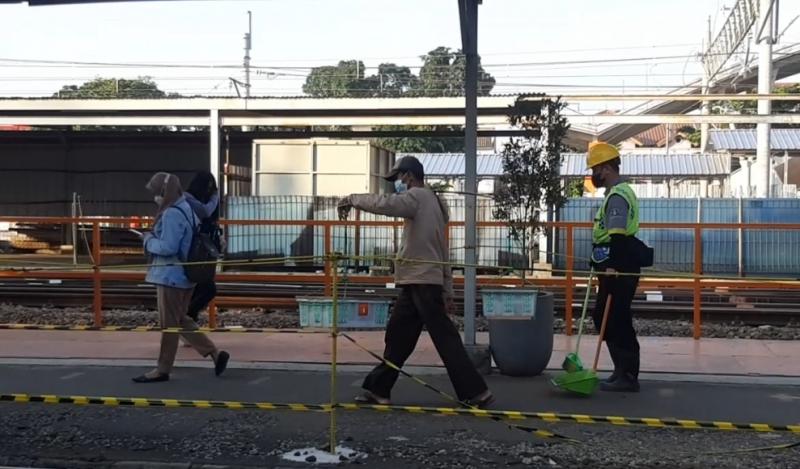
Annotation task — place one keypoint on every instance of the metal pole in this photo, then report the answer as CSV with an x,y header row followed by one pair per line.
x,y
470,169
334,351
765,79
248,42
74,213
213,144
706,108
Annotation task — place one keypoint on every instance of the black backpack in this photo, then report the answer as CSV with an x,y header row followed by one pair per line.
x,y
201,263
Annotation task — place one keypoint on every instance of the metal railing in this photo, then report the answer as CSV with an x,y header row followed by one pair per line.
x,y
567,279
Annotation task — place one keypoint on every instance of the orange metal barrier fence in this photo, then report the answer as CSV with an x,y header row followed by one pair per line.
x,y
695,281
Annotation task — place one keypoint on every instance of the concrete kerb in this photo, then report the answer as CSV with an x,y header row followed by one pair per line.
x,y
707,378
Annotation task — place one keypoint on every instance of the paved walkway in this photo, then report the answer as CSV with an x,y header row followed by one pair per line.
x,y
659,354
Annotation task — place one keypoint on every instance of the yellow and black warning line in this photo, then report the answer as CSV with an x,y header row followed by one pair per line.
x,y
581,419
419,410
241,330
150,402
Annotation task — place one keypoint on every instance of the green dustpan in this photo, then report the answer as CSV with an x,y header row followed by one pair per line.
x,y
580,382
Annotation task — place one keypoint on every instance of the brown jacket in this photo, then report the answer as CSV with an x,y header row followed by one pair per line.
x,y
425,217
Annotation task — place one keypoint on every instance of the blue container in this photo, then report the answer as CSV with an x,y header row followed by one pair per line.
x,y
517,302
354,313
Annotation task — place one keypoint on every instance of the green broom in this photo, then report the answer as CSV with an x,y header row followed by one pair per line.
x,y
576,378
572,362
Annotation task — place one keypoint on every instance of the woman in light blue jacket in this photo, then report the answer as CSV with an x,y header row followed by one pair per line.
x,y
167,246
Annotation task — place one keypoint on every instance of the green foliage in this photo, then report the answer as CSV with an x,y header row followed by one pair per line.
x,y
575,189
116,88
751,107
442,74
344,80
421,144
691,134
531,165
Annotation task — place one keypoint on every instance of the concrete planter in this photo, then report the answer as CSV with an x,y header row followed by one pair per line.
x,y
523,345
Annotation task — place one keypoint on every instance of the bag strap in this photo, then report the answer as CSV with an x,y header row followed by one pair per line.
x,y
191,223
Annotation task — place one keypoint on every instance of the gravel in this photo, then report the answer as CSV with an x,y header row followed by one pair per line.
x,y
102,437
258,317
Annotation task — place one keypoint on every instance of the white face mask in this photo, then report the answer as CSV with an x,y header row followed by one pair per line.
x,y
158,199
400,186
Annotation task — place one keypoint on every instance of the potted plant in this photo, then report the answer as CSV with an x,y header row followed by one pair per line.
x,y
521,318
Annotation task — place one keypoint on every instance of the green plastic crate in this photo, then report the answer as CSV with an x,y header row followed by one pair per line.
x,y
509,302
354,313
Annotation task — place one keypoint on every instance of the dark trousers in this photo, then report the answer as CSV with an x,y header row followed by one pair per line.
x,y
416,306
620,335
202,296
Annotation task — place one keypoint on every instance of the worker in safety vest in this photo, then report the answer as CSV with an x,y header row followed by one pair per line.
x,y
616,258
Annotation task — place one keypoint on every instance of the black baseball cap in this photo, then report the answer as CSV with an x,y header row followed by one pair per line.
x,y
406,164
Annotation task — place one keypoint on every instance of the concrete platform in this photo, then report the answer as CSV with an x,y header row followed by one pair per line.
x,y
659,354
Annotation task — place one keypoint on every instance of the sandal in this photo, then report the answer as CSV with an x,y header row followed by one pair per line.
x,y
368,397
481,401
148,379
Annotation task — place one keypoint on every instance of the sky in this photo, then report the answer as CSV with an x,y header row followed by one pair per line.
x,y
519,41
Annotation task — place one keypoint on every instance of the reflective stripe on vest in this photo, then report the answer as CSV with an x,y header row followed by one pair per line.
x,y
600,234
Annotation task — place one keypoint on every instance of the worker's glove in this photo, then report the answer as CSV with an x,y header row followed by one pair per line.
x,y
343,207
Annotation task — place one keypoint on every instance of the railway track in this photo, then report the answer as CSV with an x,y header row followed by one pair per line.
x,y
748,306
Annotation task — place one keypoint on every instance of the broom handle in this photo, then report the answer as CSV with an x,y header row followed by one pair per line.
x,y
602,332
583,313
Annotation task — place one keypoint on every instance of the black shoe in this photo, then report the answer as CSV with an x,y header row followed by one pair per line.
x,y
614,376
147,379
624,383
221,363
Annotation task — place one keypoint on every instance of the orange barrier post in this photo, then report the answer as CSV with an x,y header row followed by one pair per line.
x,y
97,303
698,270
569,285
212,314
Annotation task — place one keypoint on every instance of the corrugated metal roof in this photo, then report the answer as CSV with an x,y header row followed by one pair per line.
x,y
574,164
452,164
745,139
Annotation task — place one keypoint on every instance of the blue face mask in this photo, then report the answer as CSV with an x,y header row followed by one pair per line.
x,y
400,186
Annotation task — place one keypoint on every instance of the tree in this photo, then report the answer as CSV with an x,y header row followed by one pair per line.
x,y
392,81
139,88
119,88
751,107
421,144
344,80
442,74
531,179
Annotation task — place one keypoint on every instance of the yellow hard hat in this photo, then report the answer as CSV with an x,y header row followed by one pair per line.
x,y
599,153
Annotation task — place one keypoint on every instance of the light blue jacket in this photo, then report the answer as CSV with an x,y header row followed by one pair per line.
x,y
169,243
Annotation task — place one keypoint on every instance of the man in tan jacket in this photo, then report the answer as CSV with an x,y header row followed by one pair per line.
x,y
425,281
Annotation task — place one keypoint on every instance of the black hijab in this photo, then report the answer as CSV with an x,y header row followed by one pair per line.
x,y
202,187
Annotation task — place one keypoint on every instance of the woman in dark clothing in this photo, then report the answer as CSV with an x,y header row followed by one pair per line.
x,y
203,196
